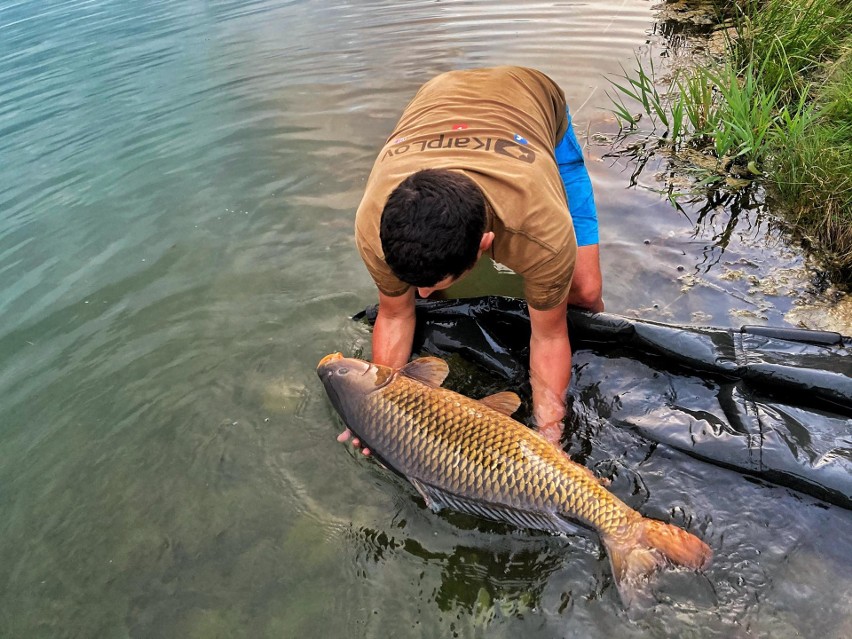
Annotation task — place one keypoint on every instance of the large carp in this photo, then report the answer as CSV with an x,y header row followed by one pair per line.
x,y
471,456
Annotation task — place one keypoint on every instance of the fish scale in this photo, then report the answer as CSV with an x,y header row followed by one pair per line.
x,y
432,429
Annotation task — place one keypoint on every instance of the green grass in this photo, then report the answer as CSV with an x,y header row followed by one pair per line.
x,y
791,38
812,172
697,95
641,86
777,108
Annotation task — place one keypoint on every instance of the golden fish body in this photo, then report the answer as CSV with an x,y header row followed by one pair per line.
x,y
470,455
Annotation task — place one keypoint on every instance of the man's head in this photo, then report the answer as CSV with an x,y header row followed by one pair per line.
x,y
432,227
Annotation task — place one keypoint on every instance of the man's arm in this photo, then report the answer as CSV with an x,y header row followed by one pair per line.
x,y
393,333
587,284
550,369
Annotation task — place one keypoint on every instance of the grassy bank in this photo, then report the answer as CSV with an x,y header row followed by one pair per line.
x,y
775,107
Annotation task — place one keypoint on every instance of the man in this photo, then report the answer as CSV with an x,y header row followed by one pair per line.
x,y
480,162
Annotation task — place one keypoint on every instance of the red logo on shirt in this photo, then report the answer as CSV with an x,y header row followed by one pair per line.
x,y
459,127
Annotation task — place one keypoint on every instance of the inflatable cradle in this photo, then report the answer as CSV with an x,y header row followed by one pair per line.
x,y
775,403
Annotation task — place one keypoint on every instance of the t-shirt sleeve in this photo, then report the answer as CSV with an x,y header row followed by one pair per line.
x,y
381,273
547,284
552,93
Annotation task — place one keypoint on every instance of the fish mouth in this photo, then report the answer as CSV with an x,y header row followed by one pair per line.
x,y
330,358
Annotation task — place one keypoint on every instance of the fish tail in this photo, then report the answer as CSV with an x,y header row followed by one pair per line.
x,y
648,545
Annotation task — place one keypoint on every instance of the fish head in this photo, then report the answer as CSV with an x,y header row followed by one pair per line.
x,y
348,381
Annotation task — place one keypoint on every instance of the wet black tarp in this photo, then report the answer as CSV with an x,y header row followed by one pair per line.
x,y
775,403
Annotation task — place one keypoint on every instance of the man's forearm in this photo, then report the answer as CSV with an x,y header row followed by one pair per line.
x,y
550,369
550,374
393,334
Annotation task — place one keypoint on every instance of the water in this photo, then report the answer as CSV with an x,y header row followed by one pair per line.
x,y
177,192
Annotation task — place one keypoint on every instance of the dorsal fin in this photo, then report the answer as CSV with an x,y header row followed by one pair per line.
x,y
432,371
506,402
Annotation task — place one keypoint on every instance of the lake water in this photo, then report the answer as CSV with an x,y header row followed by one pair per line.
x,y
178,182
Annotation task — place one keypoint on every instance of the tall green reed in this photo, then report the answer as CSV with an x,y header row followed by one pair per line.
x,y
641,87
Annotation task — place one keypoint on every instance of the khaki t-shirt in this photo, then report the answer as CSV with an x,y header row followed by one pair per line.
x,y
499,127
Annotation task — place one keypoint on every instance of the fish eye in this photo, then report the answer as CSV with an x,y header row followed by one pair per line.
x,y
342,371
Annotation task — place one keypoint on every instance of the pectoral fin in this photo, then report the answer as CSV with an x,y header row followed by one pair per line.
x,y
506,402
432,371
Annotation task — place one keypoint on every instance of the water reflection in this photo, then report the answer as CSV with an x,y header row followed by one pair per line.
x,y
714,209
491,572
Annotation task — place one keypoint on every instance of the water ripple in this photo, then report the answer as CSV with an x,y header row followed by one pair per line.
x,y
176,198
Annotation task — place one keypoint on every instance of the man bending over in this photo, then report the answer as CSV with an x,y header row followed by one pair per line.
x,y
484,161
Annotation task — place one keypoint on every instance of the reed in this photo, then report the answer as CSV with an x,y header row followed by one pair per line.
x,y
640,86
700,104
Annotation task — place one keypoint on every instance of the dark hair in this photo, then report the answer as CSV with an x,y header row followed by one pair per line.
x,y
432,225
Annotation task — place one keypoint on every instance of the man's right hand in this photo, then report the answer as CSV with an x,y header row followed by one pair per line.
x,y
393,335
346,434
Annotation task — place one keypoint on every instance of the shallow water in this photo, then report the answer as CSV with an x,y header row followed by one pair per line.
x,y
177,192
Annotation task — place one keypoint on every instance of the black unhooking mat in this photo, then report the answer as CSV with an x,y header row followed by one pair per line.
x,y
770,402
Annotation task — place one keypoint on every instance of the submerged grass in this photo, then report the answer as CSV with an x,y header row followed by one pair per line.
x,y
778,107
